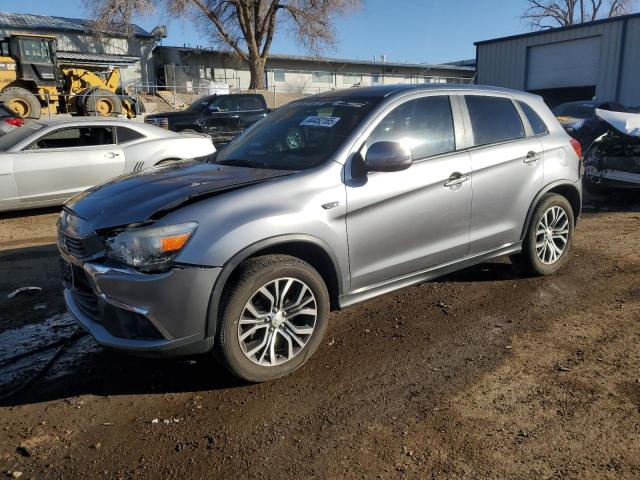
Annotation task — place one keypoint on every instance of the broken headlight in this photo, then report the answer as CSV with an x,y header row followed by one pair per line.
x,y
149,249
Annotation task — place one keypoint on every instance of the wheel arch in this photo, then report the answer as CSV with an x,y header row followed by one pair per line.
x,y
564,188
308,248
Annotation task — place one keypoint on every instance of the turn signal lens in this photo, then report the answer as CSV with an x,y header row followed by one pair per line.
x,y
577,147
171,244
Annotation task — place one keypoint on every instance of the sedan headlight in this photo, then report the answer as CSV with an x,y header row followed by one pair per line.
x,y
150,249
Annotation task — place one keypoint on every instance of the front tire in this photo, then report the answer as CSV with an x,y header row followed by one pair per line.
x,y
273,318
548,240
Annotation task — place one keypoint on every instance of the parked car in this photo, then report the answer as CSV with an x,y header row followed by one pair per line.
x,y
222,117
9,119
613,160
331,200
580,121
46,162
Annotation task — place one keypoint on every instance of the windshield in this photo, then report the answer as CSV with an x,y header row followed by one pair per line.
x,y
17,135
298,136
575,110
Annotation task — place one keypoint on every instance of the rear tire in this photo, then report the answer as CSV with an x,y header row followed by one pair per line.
x,y
283,303
548,240
22,101
101,103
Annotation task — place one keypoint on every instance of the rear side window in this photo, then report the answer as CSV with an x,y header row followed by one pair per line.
x,y
493,119
127,135
250,103
425,125
537,124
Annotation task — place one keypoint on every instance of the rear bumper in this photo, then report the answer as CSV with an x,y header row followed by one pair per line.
x,y
150,314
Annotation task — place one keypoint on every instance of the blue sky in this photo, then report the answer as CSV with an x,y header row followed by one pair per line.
x,y
421,31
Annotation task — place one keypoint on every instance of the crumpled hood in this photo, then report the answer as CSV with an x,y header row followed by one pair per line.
x,y
137,197
626,123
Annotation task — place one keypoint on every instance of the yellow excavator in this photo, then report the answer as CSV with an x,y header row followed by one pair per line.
x,y
33,83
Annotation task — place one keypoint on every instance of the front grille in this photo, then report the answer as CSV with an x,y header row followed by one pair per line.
x,y
83,294
80,248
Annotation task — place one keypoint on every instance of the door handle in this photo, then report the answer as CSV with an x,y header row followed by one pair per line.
x,y
456,178
235,116
532,157
111,155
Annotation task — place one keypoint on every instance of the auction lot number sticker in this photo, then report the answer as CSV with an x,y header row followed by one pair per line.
x,y
316,121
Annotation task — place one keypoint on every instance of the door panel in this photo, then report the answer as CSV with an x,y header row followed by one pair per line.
x,y
8,190
403,222
407,221
65,161
504,183
58,174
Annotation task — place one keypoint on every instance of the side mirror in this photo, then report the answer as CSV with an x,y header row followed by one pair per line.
x,y
387,157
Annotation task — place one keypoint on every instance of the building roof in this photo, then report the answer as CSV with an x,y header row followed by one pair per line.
x,y
302,58
96,58
24,21
560,29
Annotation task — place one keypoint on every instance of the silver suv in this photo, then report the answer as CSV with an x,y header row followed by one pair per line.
x,y
329,201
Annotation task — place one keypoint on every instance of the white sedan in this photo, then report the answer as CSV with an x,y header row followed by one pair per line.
x,y
46,162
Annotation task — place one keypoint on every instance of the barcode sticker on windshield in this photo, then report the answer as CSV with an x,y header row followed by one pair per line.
x,y
316,121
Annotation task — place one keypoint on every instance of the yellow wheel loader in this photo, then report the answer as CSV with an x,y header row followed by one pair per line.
x,y
32,82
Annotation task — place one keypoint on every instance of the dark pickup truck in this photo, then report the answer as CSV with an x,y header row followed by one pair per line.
x,y
223,117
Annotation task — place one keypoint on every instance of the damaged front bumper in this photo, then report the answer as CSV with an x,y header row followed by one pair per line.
x,y
150,314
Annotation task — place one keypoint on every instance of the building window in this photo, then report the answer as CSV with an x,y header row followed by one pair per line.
x,y
278,76
350,79
376,78
321,77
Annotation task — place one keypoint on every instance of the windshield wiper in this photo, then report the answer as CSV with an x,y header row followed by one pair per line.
x,y
243,163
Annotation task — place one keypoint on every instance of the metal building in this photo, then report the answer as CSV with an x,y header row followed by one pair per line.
x,y
182,66
599,59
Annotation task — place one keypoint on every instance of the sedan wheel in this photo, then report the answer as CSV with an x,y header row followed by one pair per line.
x,y
546,245
274,315
277,321
552,235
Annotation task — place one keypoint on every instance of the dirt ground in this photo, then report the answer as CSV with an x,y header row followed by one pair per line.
x,y
481,374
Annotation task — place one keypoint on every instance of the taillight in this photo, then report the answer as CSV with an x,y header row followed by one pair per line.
x,y
577,147
15,121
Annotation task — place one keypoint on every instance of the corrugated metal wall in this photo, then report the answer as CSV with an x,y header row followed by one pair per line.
x,y
504,62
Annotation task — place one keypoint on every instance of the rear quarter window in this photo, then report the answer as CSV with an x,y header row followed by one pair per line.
x,y
493,119
126,135
537,124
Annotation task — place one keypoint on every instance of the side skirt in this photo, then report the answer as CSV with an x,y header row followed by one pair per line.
x,y
366,293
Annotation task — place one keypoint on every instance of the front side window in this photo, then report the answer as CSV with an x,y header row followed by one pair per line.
x,y
36,51
424,125
300,135
537,124
75,137
493,119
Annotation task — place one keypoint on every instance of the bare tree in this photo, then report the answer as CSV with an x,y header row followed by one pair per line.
x,y
246,26
562,13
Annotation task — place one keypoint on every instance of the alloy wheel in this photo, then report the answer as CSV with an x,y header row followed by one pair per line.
x,y
277,321
552,235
